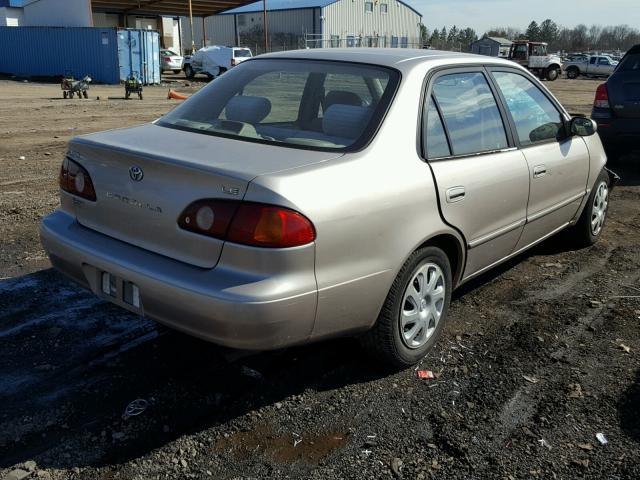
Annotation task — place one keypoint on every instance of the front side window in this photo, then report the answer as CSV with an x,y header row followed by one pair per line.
x,y
316,104
593,60
470,113
535,116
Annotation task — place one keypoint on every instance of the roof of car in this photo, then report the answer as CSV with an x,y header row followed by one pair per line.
x,y
384,56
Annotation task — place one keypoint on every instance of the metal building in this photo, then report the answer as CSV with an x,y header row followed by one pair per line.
x,y
313,23
492,47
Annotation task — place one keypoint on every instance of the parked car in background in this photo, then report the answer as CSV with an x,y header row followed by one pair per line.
x,y
171,61
616,108
214,61
594,65
325,192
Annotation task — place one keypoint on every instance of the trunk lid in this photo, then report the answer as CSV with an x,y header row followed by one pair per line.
x,y
177,168
624,88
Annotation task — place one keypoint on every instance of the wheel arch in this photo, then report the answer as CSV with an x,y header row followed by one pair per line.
x,y
453,247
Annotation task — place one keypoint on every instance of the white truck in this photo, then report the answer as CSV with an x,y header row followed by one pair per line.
x,y
594,65
214,61
534,56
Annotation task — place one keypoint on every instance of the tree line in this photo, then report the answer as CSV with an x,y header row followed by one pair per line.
x,y
457,39
579,38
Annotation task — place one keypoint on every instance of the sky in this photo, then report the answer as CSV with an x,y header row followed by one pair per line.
x,y
482,15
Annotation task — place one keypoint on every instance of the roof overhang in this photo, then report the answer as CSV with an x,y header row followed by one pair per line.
x,y
166,7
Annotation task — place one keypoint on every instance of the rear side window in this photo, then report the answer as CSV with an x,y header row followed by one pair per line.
x,y
631,63
536,118
243,53
435,138
470,113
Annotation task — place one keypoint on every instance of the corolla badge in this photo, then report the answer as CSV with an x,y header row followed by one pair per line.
x,y
136,174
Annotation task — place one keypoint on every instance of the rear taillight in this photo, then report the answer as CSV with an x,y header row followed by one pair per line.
x,y
602,97
75,179
167,59
247,223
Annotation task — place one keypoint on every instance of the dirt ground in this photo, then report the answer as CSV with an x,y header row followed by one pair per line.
x,y
538,357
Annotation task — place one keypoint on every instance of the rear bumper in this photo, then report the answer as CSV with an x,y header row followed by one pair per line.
x,y
617,132
228,305
172,66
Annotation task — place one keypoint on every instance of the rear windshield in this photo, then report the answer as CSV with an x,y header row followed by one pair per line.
x,y
630,63
310,104
241,53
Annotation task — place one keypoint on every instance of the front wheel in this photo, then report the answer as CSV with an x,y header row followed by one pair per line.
x,y
415,311
552,74
593,218
189,72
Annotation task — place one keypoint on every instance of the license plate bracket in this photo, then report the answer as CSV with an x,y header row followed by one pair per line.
x,y
120,291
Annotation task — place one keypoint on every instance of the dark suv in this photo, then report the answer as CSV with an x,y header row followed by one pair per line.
x,y
617,107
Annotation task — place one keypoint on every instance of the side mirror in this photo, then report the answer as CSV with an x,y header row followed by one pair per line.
x,y
582,126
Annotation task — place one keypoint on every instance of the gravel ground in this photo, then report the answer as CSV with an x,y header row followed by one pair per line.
x,y
538,356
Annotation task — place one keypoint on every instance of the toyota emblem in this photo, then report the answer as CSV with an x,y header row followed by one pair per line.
x,y
136,174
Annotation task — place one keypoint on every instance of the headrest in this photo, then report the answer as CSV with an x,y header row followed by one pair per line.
x,y
346,121
342,97
248,109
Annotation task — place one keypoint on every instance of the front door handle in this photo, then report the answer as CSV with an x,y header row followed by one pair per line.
x,y
539,171
455,194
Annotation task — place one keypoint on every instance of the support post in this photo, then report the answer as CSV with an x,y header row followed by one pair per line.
x,y
266,28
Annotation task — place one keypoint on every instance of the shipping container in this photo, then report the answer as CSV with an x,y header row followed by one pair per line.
x,y
107,55
139,53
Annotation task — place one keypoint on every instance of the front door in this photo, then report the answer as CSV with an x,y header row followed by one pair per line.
x,y
483,183
558,165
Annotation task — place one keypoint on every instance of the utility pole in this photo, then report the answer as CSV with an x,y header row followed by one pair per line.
x,y
266,28
193,42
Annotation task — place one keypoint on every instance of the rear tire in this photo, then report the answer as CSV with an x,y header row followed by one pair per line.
x,y
86,94
176,71
592,221
415,311
573,73
64,95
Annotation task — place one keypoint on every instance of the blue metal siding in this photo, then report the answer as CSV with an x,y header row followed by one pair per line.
x,y
105,54
54,51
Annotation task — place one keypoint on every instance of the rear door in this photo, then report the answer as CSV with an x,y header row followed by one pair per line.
x,y
558,166
624,86
483,182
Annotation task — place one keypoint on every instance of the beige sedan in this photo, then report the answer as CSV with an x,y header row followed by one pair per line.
x,y
312,194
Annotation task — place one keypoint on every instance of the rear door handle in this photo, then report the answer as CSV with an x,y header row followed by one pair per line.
x,y
539,171
455,194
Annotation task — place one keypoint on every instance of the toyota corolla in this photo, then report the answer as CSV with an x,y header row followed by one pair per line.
x,y
319,193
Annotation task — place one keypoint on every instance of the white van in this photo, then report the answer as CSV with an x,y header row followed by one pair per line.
x,y
215,60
